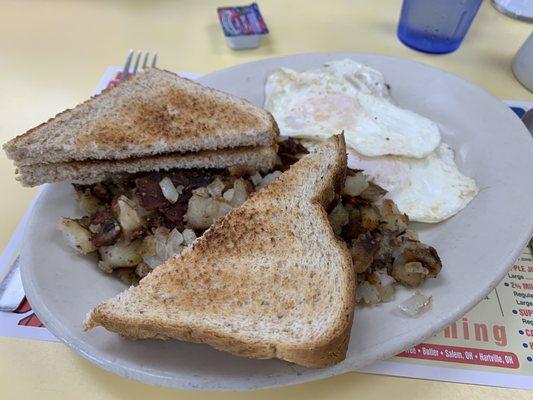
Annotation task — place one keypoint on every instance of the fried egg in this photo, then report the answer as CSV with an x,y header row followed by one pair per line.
x,y
427,190
345,95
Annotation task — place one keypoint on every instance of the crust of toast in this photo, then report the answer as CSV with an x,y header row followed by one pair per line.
x,y
152,113
270,279
88,172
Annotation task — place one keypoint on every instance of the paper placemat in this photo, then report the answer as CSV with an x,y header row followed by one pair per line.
x,y
491,345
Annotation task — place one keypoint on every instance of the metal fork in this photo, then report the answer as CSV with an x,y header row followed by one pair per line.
x,y
127,65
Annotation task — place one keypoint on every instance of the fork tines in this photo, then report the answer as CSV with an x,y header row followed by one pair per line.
x,y
127,65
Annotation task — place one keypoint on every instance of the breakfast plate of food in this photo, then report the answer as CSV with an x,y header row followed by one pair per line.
x,y
272,223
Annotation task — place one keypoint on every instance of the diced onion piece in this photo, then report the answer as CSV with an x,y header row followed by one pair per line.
x,y
218,209
169,190
338,217
239,193
174,241
224,208
269,179
188,236
161,234
228,194
415,304
215,188
173,252
152,261
76,236
373,192
386,293
175,238
161,251
355,185
161,246
367,293
256,178
384,278
386,285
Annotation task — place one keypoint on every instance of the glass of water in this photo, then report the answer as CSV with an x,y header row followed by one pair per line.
x,y
436,26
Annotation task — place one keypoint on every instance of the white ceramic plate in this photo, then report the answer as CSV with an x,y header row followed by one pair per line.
x,y
477,246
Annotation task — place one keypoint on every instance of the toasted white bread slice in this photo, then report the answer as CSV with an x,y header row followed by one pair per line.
x,y
269,280
87,172
153,113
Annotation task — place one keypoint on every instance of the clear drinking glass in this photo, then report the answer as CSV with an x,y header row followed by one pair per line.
x,y
436,26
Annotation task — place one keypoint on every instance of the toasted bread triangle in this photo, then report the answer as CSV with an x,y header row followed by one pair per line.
x,y
88,172
269,280
155,112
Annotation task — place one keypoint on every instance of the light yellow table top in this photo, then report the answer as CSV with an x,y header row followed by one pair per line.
x,y
52,54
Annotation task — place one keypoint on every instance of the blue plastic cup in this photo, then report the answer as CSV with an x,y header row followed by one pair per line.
x,y
436,26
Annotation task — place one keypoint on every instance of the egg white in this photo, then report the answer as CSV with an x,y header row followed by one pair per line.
x,y
345,95
427,190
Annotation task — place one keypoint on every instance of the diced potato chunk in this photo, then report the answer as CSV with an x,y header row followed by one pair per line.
x,y
392,219
369,217
198,216
121,254
76,236
88,203
127,216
